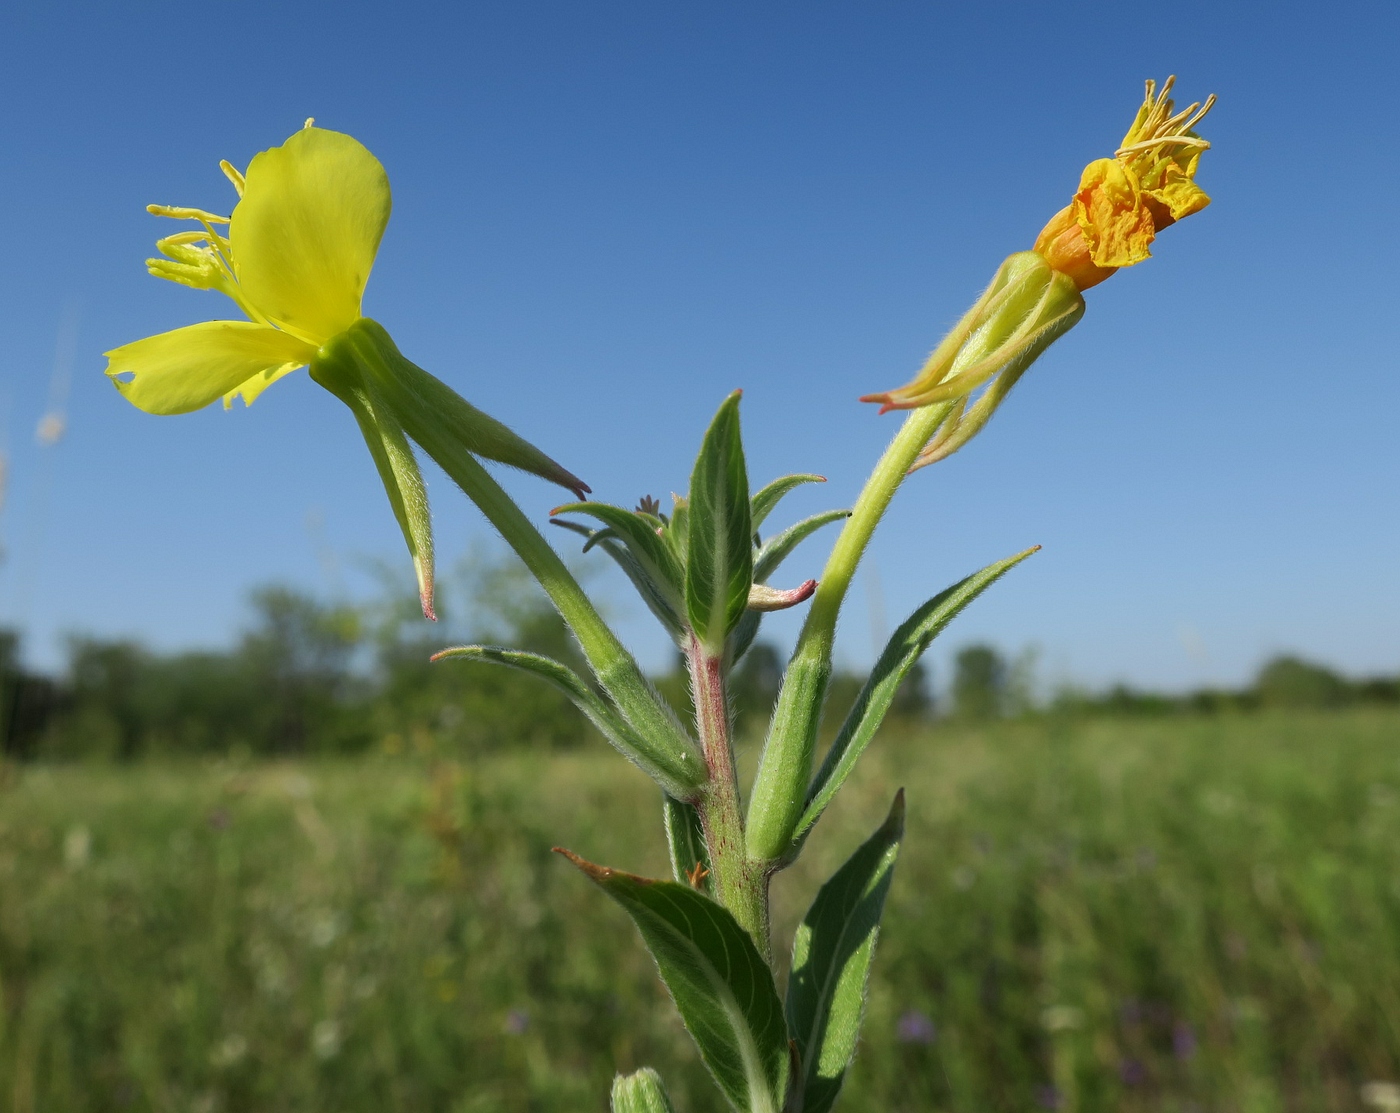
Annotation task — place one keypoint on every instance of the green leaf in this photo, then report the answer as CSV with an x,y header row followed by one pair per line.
x,y
778,547
762,504
720,983
773,552
719,562
641,1092
904,648
685,839
831,956
673,772
663,602
643,542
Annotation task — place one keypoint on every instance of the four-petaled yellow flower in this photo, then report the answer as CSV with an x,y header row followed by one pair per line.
x,y
296,257
1124,201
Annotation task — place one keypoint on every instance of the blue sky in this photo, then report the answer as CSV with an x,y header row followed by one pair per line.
x,y
610,214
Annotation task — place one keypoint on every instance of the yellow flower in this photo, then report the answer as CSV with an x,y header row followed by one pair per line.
x,y
1124,201
297,254
300,245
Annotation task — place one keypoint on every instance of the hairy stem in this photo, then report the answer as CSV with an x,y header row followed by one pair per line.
x,y
740,886
780,786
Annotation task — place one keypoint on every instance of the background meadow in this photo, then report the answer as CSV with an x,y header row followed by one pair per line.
x,y
255,854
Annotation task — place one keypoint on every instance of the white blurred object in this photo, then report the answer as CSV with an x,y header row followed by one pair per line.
x,y
51,428
1381,1095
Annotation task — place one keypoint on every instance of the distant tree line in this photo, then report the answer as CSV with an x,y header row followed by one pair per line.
x,y
315,677
985,685
312,677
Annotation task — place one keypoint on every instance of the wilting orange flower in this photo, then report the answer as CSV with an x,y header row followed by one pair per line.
x,y
1124,201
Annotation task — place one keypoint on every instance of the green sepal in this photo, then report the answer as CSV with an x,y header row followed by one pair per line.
x,y
831,957
685,840
679,774
641,1092
432,411
719,562
398,470
763,502
718,980
903,650
662,602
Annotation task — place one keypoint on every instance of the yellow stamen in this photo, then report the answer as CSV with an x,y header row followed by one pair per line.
x,y
233,174
1174,140
310,120
180,212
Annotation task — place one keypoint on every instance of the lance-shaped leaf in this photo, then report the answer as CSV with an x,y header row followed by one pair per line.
x,y
766,498
685,839
660,599
720,983
719,563
676,773
905,647
778,547
641,1092
831,956
638,533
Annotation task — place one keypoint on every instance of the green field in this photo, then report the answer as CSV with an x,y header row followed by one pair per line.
x,y
1184,914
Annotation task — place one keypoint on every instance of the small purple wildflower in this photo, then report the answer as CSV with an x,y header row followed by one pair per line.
x,y
1183,1040
1132,1072
517,1020
1047,1097
916,1027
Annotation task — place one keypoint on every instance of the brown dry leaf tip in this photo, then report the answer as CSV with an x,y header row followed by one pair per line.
x,y
697,875
599,873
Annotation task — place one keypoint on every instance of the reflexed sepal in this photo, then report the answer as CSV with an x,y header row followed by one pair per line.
x,y
679,774
719,564
901,653
434,414
398,469
641,1092
1028,306
721,985
831,956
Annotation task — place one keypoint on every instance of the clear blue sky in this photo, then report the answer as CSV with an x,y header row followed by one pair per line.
x,y
609,214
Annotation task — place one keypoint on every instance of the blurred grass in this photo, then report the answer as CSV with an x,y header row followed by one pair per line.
x,y
1176,915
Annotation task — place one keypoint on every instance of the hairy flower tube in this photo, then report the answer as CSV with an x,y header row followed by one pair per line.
x,y
1035,298
295,258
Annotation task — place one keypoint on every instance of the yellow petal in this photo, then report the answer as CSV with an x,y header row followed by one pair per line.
x,y
1117,225
1179,193
305,233
176,372
250,390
